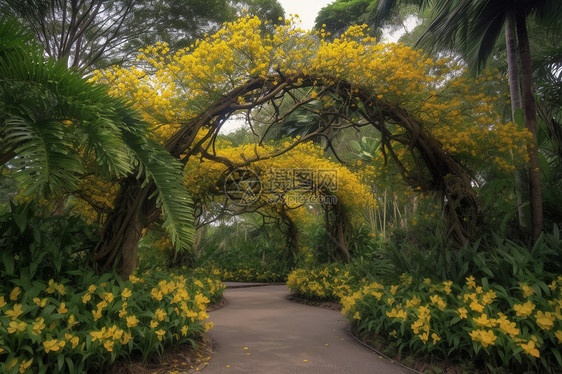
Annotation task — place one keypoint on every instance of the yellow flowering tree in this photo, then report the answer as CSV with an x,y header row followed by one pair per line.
x,y
301,176
433,121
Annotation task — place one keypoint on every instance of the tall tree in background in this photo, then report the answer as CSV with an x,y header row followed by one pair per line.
x,y
53,122
99,33
473,27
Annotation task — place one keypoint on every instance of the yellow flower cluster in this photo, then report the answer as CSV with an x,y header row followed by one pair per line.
x,y
331,283
429,309
202,177
245,274
61,319
170,88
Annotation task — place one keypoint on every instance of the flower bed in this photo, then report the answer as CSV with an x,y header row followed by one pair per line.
x,y
59,326
519,329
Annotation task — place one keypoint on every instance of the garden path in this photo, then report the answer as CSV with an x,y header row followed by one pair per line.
x,y
260,331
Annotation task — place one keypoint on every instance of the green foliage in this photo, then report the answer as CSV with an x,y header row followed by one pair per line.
x,y
54,121
58,316
87,324
38,248
327,283
243,252
111,32
478,321
339,15
500,260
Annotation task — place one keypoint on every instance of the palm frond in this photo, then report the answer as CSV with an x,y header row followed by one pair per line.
x,y
44,162
156,165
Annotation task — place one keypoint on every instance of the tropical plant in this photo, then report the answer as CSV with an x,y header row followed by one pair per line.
x,y
101,33
52,120
474,27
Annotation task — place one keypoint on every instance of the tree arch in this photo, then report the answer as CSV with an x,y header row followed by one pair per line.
x,y
413,102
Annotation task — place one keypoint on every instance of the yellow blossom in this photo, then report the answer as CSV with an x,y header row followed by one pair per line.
x,y
530,349
85,298
62,308
15,312
108,345
160,314
72,321
160,334
470,282
545,320
15,293
527,291
435,338
132,321
40,302
102,304
153,324
16,326
483,321
447,286
97,335
53,345
488,297
523,310
2,302
126,293
476,306
485,337
38,326
24,365
413,302
12,364
97,314
462,312
75,340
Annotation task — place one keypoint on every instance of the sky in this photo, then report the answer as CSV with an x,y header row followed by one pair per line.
x,y
306,9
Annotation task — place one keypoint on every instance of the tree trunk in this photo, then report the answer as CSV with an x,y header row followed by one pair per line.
x,y
122,231
521,173
291,236
531,125
338,231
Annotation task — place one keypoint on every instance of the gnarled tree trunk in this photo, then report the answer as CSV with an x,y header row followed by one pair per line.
x,y
122,231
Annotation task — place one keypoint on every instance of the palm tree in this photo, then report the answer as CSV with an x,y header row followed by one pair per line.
x,y
52,121
474,26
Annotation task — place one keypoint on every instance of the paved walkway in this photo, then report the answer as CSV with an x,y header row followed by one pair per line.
x,y
260,331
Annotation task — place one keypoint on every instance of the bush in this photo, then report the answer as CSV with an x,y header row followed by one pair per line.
x,y
57,326
517,328
243,273
330,283
58,316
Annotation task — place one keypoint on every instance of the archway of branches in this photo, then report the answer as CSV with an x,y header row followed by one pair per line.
x,y
411,101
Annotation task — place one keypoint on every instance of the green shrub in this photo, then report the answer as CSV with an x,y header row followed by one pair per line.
x,y
58,316
518,328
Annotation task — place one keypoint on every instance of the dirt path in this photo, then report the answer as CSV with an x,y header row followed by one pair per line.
x,y
260,331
